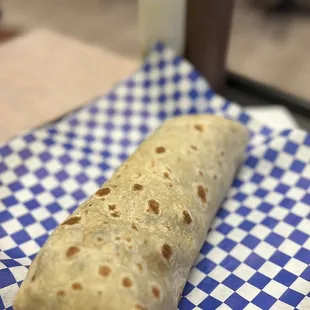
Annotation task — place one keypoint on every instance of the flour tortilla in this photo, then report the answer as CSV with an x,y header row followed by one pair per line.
x,y
131,245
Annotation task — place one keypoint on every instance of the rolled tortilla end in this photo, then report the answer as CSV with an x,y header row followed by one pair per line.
x,y
131,245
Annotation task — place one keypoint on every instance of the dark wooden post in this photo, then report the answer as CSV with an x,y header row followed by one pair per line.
x,y
207,38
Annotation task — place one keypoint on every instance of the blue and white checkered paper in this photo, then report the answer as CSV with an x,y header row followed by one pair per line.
x,y
257,254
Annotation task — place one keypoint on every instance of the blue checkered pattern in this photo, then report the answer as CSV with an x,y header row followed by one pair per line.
x,y
257,253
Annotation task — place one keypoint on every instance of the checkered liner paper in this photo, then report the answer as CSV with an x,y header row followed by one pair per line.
x,y
257,253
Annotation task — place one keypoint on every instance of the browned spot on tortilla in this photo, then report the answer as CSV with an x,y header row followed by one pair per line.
x,y
220,163
215,177
104,271
113,186
127,282
117,238
71,221
128,239
99,239
202,194
222,153
72,251
33,278
103,191
137,187
166,251
160,149
133,226
77,286
99,293
153,206
170,184
139,307
90,204
199,127
186,217
201,173
61,293
166,175
167,226
193,147
115,214
140,267
118,176
112,207
153,164
156,292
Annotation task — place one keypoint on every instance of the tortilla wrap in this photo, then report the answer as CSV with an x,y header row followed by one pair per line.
x,y
131,245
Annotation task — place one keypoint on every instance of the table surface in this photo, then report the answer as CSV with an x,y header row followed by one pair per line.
x,y
45,75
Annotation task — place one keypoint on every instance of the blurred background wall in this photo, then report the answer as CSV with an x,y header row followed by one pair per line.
x,y
267,45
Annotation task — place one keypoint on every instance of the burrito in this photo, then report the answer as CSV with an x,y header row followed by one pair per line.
x,y
131,245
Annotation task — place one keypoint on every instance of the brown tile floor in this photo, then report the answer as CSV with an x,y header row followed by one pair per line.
x,y
274,50
107,23
271,50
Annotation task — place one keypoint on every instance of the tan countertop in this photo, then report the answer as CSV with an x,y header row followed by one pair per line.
x,y
44,75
